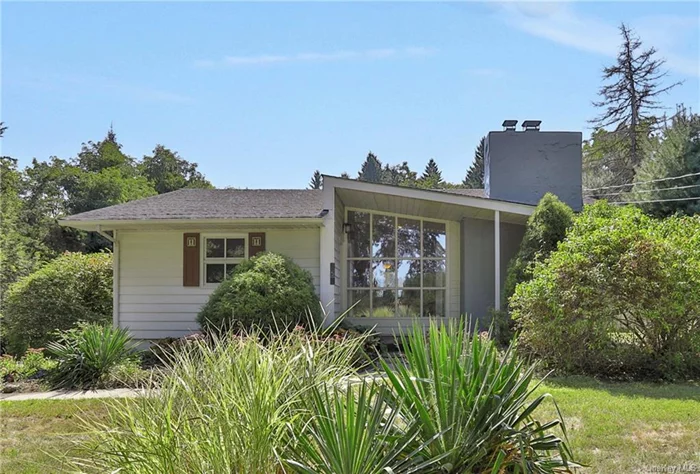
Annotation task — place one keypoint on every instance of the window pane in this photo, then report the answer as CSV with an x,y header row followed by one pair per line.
x,y
359,273
215,248
384,273
383,304
383,242
433,303
358,237
434,273
361,309
230,267
409,238
409,304
235,248
214,272
409,273
434,240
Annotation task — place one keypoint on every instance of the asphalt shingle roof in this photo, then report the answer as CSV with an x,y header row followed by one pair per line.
x,y
214,204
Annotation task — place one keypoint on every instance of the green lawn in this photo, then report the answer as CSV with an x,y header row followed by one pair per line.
x,y
614,428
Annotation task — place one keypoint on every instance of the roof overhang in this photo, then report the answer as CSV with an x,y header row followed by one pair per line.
x,y
424,202
185,224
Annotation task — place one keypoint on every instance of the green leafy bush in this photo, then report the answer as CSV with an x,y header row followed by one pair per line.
x,y
88,353
620,297
70,289
546,227
267,291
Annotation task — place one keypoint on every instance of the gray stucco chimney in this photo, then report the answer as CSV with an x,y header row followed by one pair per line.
x,y
523,166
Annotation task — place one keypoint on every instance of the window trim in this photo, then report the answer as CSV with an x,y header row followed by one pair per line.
x,y
204,260
346,287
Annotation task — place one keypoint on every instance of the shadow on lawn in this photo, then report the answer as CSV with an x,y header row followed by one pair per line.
x,y
677,391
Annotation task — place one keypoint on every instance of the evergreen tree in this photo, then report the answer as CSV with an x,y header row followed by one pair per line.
x,y
677,153
371,169
627,103
316,180
475,174
399,175
431,177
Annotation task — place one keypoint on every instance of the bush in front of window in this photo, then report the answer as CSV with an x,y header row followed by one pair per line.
x,y
72,288
268,291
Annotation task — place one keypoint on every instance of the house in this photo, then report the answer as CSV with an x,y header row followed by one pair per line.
x,y
391,253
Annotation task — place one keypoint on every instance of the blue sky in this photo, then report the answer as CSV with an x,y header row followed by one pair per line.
x,y
262,94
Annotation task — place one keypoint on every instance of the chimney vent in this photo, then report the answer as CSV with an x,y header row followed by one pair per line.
x,y
531,124
509,124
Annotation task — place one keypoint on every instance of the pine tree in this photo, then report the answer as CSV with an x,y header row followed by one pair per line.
x,y
431,177
371,170
316,180
475,174
629,101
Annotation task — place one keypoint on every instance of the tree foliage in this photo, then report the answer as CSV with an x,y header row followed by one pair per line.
x,y
619,297
545,228
316,180
166,171
431,177
676,153
475,174
371,169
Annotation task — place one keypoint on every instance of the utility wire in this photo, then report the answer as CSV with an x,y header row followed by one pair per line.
x,y
643,182
650,190
655,200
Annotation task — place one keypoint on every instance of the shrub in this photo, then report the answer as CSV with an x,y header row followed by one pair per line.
x,y
225,406
546,227
32,364
620,297
70,289
87,354
267,291
475,403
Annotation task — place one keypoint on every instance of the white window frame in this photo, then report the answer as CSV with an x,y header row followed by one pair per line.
x,y
220,260
346,288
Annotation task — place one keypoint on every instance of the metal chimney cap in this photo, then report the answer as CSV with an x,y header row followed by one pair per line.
x,y
531,124
510,124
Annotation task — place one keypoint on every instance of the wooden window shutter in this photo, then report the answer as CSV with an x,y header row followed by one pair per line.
x,y
256,243
190,261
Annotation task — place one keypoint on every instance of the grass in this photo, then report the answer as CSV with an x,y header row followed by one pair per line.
x,y
34,434
613,427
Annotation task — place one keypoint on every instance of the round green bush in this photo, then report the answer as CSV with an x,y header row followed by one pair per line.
x,y
72,288
268,291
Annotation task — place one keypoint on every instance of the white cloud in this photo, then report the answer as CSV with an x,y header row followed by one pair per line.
x,y
314,57
561,23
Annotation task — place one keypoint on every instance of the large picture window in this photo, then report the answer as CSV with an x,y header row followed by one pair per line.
x,y
221,255
396,266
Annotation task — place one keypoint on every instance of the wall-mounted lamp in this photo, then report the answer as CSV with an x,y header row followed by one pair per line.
x,y
347,227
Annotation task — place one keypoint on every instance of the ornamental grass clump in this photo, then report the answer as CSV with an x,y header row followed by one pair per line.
x,y
226,404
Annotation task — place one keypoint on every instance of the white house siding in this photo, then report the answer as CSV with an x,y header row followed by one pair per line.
x,y
153,304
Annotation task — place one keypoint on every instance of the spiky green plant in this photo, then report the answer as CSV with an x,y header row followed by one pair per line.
x,y
87,353
475,403
355,430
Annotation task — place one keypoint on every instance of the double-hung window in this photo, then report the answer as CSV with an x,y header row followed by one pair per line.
x,y
397,266
221,255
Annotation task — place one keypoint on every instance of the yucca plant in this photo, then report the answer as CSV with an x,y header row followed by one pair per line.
x,y
87,353
225,404
354,430
475,403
